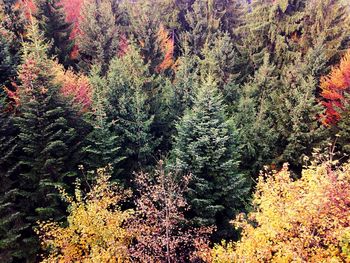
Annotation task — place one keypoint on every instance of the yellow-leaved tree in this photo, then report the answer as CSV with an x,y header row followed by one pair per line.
x,y
95,231
304,220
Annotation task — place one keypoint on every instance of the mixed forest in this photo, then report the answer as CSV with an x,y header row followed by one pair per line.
x,y
174,131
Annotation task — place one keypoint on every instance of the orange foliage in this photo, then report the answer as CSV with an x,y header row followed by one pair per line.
x,y
334,87
166,42
305,220
73,85
28,6
72,9
123,45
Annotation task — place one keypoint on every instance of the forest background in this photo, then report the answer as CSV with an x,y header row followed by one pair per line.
x,y
137,130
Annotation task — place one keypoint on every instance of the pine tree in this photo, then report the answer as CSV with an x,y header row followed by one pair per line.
x,y
255,132
11,221
129,86
48,138
187,76
52,22
205,145
99,34
102,147
11,30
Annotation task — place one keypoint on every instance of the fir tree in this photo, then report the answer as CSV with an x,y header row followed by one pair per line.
x,y
255,132
99,34
48,138
52,22
11,30
205,145
102,144
129,85
11,221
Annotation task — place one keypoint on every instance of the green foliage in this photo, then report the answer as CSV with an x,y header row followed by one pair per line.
x,y
48,139
11,28
52,22
10,218
129,86
99,37
102,147
205,145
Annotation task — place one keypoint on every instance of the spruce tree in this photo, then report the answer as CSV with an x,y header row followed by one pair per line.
x,y
102,145
206,146
52,22
255,132
129,86
11,221
11,28
99,37
48,138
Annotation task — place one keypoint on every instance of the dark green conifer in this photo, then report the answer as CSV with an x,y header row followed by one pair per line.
x,y
49,141
205,145
129,86
52,22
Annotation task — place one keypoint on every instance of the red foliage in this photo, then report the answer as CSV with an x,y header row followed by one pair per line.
x,y
72,8
28,6
166,42
334,86
74,85
123,45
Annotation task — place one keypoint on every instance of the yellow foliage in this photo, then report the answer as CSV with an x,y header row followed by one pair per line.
x,y
95,231
305,220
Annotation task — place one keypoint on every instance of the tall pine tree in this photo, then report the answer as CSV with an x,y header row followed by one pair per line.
x,y
98,39
48,138
206,146
52,22
102,144
129,87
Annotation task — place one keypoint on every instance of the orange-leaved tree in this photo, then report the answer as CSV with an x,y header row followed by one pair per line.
x,y
304,220
76,86
334,88
95,231
166,43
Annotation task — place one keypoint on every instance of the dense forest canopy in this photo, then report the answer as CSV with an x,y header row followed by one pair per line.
x,y
174,131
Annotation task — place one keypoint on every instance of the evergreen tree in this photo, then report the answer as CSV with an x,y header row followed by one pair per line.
x,y
99,36
102,144
129,86
52,22
48,138
11,221
144,23
255,132
11,30
205,145
205,20
186,79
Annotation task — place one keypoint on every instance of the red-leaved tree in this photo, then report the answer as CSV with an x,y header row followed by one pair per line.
x,y
334,87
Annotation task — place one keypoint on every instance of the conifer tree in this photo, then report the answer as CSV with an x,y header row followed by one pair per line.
x,y
99,34
52,22
11,221
255,132
48,138
11,30
205,145
129,86
186,79
102,147
205,20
